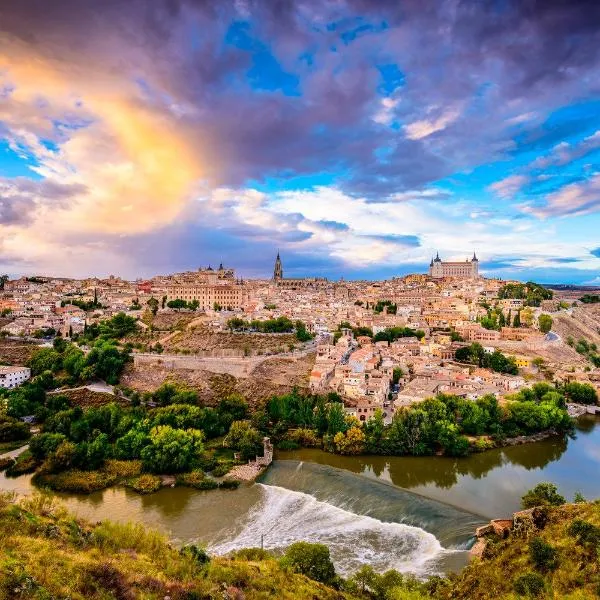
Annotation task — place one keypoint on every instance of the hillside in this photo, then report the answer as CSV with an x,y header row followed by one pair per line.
x,y
567,568
582,323
273,376
46,553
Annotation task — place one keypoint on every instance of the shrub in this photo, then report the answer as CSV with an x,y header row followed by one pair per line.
x,y
197,479
146,484
542,554
222,468
543,494
78,482
25,463
312,560
252,554
123,468
5,463
529,584
288,445
230,484
196,553
587,534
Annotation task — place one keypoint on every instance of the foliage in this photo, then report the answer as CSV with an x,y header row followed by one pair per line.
x,y
312,560
389,306
48,553
496,361
178,304
350,442
12,429
75,481
146,484
172,450
244,438
529,584
580,393
590,299
391,334
543,494
531,293
545,323
542,554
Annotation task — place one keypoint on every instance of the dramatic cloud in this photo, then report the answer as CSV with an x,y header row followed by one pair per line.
x,y
354,134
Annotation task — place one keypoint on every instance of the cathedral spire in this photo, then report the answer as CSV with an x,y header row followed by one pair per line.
x,y
278,270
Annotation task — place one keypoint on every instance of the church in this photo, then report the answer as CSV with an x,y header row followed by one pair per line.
x,y
295,283
462,270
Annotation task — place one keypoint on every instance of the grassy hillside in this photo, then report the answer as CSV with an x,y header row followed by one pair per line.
x,y
45,553
555,559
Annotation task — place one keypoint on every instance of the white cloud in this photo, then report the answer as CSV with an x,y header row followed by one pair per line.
x,y
509,186
425,127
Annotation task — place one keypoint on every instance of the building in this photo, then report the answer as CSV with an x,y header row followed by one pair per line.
x,y
12,377
295,283
209,287
461,270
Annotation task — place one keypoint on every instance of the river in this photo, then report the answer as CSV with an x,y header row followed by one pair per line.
x,y
414,514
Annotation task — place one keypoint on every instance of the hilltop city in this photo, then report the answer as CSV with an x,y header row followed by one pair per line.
x,y
379,345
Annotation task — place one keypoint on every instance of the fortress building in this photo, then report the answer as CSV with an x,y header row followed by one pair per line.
x,y
462,270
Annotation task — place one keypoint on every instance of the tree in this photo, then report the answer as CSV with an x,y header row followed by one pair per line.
x,y
517,320
312,560
336,419
153,305
172,450
580,393
527,317
545,323
543,494
3,280
351,442
463,354
244,438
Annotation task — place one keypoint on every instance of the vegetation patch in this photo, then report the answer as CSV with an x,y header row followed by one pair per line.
x,y
75,481
198,480
23,464
146,484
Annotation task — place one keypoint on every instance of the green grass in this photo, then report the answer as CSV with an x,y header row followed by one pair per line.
x,y
47,553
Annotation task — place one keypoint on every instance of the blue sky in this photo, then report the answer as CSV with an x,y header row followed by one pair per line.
x,y
357,137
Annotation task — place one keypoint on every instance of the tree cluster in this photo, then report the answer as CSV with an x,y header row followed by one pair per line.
x,y
496,361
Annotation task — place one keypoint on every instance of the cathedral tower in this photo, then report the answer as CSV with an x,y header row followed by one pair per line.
x,y
278,270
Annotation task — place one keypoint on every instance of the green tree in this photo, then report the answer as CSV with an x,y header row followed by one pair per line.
x,y
542,554
244,438
153,305
336,419
172,450
3,280
517,320
580,393
545,323
543,494
312,560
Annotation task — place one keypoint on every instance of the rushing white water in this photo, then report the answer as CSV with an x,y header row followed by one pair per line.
x,y
284,516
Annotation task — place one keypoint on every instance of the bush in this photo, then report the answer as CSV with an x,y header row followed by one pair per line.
x,y
230,484
196,553
529,584
543,494
12,430
24,463
123,468
312,560
146,484
75,481
222,468
5,463
543,555
252,554
198,480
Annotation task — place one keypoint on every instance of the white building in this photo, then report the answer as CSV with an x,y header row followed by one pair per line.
x,y
12,377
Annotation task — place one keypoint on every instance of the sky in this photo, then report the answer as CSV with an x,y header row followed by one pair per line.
x,y
356,137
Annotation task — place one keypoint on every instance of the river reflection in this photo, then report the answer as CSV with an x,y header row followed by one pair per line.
x,y
490,483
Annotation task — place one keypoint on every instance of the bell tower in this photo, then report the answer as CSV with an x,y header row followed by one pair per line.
x,y
278,270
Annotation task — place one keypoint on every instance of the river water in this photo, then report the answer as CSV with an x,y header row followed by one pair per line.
x,y
414,514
